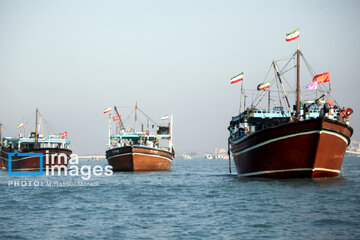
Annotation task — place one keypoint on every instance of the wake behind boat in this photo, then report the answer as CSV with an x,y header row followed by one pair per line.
x,y
308,141
55,148
131,150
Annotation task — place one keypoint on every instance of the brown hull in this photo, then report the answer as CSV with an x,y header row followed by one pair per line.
x,y
20,163
139,158
2,165
307,149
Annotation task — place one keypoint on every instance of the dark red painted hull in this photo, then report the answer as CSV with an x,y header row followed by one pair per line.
x,y
138,158
308,149
19,163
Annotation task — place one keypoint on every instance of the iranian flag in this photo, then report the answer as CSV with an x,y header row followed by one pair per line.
x,y
263,86
321,78
165,117
106,110
20,125
237,78
293,35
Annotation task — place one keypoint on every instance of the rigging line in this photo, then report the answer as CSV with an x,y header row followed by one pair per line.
x,y
128,117
29,118
328,92
271,90
282,71
307,62
148,116
48,125
263,93
286,58
278,90
5,131
263,81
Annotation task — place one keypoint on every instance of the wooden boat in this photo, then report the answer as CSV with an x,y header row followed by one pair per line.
x,y
129,150
54,149
308,143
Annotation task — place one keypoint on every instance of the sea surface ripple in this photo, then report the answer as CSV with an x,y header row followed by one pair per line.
x,y
197,199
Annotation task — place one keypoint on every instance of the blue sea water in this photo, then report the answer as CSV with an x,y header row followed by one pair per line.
x,y
197,199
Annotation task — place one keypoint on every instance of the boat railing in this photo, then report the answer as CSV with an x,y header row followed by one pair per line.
x,y
270,114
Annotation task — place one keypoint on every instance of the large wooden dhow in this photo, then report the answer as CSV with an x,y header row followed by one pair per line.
x,y
54,150
277,143
129,150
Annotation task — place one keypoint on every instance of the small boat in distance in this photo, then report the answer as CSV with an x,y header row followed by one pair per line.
x,y
131,150
55,148
279,143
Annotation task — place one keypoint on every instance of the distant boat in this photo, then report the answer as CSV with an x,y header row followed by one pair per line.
x,y
52,146
187,157
278,143
209,156
131,150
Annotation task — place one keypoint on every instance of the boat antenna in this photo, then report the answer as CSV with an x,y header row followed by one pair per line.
x,y
36,128
278,76
298,82
0,133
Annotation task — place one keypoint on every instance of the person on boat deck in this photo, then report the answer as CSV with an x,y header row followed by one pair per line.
x,y
149,144
342,115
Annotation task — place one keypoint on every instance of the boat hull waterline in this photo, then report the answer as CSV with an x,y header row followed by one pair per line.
x,y
139,158
306,149
33,163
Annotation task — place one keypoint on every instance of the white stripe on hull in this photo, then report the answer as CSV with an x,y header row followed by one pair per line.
x,y
288,170
144,154
290,136
20,159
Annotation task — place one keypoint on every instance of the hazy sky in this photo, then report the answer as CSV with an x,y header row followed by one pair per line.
x,y
74,58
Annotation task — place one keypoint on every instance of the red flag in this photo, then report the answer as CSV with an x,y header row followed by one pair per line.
x,y
115,118
64,134
321,78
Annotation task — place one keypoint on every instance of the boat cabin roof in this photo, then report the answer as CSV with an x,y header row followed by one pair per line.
x,y
32,140
133,136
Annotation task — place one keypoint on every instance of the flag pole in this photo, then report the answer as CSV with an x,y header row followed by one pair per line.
x,y
241,95
171,133
110,130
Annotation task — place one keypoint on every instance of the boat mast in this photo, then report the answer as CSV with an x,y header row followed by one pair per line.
x,y
135,116
36,128
110,129
39,128
282,86
0,134
298,82
121,125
